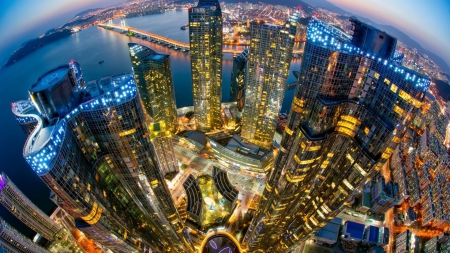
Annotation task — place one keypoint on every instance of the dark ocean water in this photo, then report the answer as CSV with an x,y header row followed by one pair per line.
x,y
88,47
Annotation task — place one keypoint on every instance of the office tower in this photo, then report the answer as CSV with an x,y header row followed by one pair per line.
x,y
154,81
239,81
27,212
268,69
98,161
162,144
205,39
350,110
13,241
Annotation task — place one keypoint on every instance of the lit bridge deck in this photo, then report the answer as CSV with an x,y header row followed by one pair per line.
x,y
173,43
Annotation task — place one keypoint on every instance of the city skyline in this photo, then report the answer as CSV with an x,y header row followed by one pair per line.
x,y
400,14
364,145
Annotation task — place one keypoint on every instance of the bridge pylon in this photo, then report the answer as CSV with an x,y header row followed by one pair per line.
x,y
110,22
122,23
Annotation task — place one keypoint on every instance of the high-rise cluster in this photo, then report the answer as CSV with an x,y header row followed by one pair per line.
x,y
350,110
92,148
105,147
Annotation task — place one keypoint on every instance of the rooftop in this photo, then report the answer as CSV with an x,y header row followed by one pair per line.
x,y
208,3
373,235
355,230
331,230
50,78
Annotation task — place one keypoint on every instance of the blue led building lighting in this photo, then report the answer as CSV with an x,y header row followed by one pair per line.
x,y
41,160
327,36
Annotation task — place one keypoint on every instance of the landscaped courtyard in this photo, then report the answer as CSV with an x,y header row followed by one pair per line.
x,y
215,206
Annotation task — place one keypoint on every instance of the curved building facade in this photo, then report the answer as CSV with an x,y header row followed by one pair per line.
x,y
239,81
20,206
350,110
13,241
99,162
25,112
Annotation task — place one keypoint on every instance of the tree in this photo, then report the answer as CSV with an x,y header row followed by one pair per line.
x,y
189,114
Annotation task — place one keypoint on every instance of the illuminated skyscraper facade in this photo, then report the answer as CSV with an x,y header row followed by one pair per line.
x,y
13,241
27,212
154,81
162,145
349,112
205,39
268,69
98,161
239,81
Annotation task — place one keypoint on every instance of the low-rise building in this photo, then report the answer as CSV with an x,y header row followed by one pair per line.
x,y
329,234
353,231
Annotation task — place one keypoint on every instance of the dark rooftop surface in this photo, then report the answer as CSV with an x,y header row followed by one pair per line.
x,y
50,78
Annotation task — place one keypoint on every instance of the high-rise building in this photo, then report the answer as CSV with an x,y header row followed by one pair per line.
x,y
13,241
97,159
154,81
239,81
268,69
205,39
162,144
351,107
56,93
27,212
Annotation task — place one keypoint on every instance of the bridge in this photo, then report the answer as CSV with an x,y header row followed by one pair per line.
x,y
169,42
292,85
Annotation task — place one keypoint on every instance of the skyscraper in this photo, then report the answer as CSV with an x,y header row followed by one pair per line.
x,y
205,38
154,81
239,81
268,70
27,212
349,112
13,241
98,161
162,144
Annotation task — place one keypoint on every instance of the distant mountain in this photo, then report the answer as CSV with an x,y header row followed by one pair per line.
x,y
36,43
329,6
401,36
87,11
